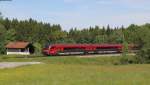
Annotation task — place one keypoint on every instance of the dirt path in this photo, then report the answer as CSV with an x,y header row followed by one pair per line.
x,y
15,64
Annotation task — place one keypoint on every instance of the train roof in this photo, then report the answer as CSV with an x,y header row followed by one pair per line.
x,y
83,45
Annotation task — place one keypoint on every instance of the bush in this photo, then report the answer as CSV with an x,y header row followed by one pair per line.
x,y
144,56
128,60
38,48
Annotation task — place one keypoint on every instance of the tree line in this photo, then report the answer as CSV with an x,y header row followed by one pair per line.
x,y
42,34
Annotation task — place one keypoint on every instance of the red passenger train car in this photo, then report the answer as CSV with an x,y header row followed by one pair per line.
x,y
59,49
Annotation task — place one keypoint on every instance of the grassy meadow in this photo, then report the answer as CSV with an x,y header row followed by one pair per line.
x,y
75,71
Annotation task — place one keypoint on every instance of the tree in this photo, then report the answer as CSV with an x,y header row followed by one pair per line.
x,y
10,35
99,39
144,42
0,13
2,39
7,23
38,48
108,31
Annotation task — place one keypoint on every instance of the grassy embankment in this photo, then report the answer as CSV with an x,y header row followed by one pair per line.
x,y
75,71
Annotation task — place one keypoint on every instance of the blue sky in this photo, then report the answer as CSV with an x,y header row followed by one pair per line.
x,y
80,13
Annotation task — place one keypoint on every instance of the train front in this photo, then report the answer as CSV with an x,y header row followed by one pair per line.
x,y
49,50
45,51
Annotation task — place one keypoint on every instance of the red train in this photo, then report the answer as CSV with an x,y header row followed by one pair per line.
x,y
58,49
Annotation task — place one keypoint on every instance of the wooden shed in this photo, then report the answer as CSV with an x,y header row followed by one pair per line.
x,y
21,48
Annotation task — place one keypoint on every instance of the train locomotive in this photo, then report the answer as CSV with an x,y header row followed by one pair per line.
x,y
68,49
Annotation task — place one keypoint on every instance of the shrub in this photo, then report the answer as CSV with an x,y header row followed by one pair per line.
x,y
144,55
128,60
38,48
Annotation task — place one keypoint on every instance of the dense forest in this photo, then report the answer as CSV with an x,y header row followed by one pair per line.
x,y
40,34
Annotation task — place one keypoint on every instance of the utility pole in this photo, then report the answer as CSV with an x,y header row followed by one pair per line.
x,y
125,43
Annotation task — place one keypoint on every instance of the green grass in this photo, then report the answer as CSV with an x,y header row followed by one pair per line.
x,y
115,60
75,71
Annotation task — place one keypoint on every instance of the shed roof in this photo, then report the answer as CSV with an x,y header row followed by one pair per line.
x,y
18,45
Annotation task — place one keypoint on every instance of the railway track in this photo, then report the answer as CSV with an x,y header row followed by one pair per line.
x,y
96,55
